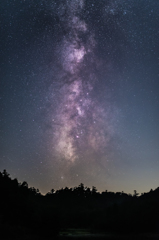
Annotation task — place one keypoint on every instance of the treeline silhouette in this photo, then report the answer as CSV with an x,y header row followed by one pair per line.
x,y
25,211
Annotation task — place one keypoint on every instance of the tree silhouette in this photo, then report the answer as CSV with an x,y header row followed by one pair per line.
x,y
81,207
52,191
94,190
135,193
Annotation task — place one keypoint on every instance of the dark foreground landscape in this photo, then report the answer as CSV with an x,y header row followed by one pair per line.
x,y
75,213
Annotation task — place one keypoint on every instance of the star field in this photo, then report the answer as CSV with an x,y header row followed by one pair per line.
x,y
79,93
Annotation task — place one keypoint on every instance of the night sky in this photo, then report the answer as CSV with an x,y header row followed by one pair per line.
x,y
79,93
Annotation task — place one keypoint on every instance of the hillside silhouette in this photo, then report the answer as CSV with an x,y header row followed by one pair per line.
x,y
26,212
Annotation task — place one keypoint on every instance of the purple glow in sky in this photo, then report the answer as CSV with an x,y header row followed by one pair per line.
x,y
83,126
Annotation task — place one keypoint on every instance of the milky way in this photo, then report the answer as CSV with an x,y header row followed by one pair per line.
x,y
83,128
